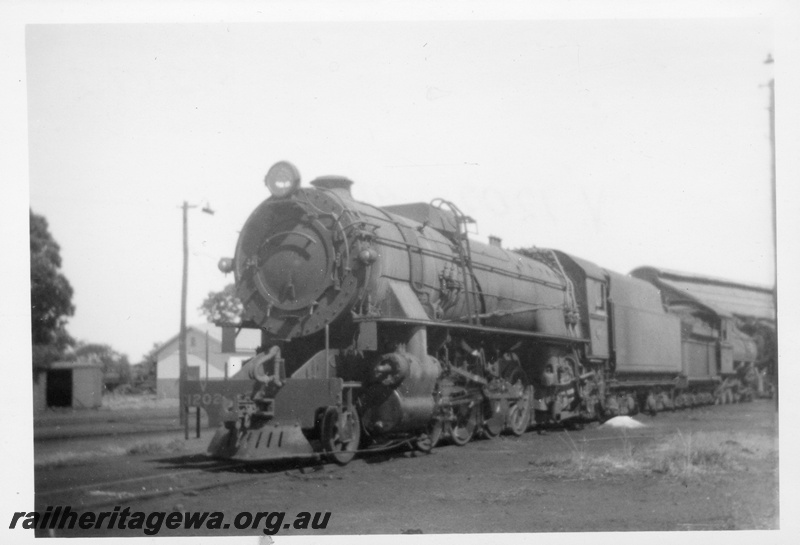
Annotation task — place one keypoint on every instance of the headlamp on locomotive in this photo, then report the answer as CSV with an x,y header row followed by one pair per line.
x,y
282,179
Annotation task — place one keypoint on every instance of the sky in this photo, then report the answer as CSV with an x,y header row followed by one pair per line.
x,y
625,142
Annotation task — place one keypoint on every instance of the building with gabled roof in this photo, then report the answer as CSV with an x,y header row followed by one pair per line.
x,y
207,355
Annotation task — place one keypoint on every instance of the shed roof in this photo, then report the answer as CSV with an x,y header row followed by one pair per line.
x,y
724,296
78,364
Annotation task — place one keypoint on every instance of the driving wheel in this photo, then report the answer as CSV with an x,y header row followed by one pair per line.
x,y
466,421
519,417
427,440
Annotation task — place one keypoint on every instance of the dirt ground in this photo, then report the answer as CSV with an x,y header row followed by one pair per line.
x,y
714,468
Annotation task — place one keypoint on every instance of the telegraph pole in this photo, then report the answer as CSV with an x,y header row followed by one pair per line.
x,y
182,358
773,180
773,184
183,362
771,86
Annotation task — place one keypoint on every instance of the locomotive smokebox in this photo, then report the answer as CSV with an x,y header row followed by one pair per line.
x,y
294,270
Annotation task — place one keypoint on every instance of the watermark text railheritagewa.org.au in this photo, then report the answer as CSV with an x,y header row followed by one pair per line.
x,y
63,517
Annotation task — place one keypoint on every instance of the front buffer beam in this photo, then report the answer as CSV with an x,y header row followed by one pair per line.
x,y
276,427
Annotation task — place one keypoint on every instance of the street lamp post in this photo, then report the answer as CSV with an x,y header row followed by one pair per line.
x,y
183,363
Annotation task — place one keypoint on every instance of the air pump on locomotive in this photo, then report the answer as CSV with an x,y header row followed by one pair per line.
x,y
389,325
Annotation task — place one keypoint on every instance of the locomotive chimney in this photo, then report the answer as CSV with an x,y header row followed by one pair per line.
x,y
338,184
495,241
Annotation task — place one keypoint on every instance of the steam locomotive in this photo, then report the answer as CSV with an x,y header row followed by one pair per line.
x,y
388,325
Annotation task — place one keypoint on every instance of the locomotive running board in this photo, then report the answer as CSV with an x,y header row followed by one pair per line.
x,y
273,441
545,337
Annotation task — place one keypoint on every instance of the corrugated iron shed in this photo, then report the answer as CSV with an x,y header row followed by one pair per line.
x,y
75,384
725,296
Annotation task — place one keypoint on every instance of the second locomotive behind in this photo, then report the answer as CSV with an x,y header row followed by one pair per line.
x,y
383,325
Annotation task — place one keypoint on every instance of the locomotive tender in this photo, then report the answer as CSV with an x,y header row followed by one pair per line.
x,y
388,325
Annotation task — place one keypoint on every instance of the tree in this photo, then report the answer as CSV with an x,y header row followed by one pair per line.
x,y
151,358
51,296
223,307
116,368
149,364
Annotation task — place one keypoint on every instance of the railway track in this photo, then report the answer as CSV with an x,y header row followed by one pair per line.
x,y
432,489
147,476
208,475
202,474
45,438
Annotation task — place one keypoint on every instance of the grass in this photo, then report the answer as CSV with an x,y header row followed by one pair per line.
x,y
704,453
679,455
123,402
156,447
66,458
510,495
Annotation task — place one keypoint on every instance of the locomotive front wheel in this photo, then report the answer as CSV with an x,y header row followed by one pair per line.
x,y
341,432
493,424
466,422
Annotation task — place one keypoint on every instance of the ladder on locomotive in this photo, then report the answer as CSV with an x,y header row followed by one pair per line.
x,y
550,258
462,248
